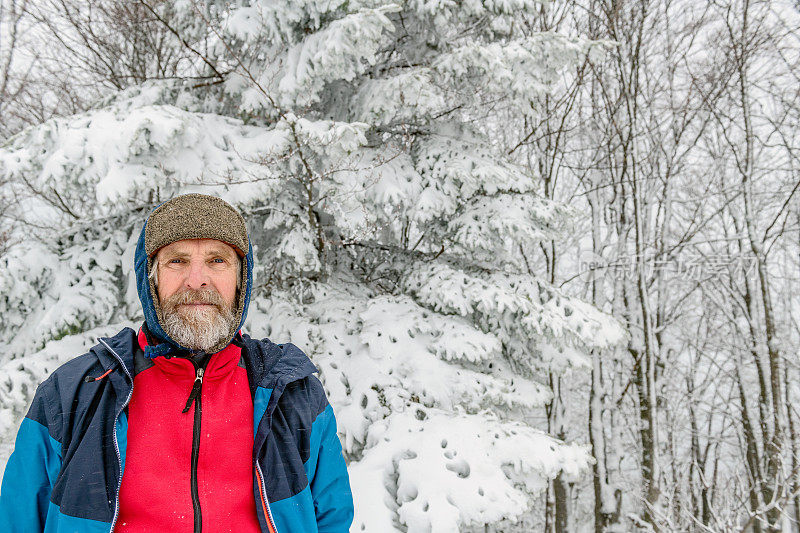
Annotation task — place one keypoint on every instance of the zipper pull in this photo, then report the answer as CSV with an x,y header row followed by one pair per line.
x,y
198,381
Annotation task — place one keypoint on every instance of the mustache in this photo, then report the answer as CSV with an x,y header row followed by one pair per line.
x,y
195,296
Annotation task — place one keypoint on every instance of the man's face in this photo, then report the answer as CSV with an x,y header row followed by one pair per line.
x,y
197,264
197,290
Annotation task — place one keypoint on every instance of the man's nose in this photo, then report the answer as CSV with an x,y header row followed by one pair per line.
x,y
197,277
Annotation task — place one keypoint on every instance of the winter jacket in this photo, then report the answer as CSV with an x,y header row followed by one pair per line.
x,y
66,469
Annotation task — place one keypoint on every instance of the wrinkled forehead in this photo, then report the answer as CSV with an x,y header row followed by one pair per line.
x,y
203,247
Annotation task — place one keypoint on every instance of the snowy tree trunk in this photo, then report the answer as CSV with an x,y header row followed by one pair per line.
x,y
793,485
559,512
791,418
771,397
605,504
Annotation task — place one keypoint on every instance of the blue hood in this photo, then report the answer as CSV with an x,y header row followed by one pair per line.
x,y
142,268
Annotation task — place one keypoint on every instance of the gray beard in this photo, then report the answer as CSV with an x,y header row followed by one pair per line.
x,y
197,328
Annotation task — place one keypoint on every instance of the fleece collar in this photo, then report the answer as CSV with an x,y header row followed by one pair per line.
x,y
219,365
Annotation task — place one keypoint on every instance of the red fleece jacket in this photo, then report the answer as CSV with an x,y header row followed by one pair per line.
x,y
156,491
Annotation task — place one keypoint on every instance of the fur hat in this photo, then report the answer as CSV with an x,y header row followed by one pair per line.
x,y
195,216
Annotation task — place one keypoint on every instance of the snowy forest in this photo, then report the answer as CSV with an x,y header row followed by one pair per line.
x,y
544,254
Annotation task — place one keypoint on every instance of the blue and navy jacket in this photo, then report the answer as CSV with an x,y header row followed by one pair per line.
x,y
66,469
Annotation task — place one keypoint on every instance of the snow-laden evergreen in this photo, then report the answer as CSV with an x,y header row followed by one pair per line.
x,y
387,227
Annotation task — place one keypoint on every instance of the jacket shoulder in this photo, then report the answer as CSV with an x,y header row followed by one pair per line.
x,y
307,394
66,391
74,370
276,365
56,394
94,361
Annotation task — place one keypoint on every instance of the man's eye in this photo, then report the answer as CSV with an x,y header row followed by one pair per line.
x,y
218,260
175,260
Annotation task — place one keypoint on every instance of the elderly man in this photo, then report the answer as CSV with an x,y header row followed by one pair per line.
x,y
186,425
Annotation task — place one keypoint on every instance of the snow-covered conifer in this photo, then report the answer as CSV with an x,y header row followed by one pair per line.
x,y
387,227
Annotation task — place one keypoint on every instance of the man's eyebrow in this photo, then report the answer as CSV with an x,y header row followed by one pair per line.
x,y
180,254
221,251
176,253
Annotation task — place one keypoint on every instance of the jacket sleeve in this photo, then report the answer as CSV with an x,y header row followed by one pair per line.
x,y
31,471
330,485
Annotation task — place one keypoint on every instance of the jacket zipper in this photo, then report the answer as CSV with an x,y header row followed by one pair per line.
x,y
195,396
264,501
116,443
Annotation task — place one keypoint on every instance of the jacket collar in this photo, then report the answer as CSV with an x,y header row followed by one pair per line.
x,y
274,365
268,365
